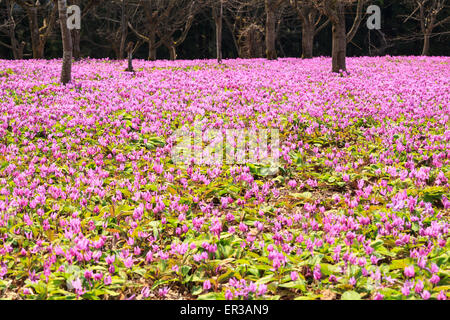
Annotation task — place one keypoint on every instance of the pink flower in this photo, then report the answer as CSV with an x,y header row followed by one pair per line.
x,y
435,279
426,295
27,291
98,276
107,281
317,274
419,286
294,275
352,281
128,262
378,296
262,288
88,274
442,296
76,284
110,259
409,271
145,292
163,292
405,291
292,184
434,268
206,285
229,295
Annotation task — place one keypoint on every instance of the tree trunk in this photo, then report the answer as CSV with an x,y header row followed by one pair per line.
x,y
307,40
123,30
426,45
218,18
339,50
20,50
66,72
271,52
173,52
130,61
34,29
152,45
130,57
12,32
76,44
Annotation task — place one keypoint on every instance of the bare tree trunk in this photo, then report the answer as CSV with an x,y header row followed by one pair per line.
x,y
426,45
173,52
339,45
123,29
271,52
12,32
20,50
218,18
66,72
76,44
307,40
130,57
34,29
152,45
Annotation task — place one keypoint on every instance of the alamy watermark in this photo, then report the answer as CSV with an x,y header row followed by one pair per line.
x,y
73,17
211,147
374,21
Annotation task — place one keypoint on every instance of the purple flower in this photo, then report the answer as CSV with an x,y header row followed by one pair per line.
x,y
88,274
262,288
145,292
434,268
378,296
206,285
317,274
419,286
442,295
292,184
405,291
294,275
76,284
426,295
228,295
435,279
352,281
409,271
163,292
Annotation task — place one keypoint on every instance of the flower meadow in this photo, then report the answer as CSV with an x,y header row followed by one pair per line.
x,y
93,207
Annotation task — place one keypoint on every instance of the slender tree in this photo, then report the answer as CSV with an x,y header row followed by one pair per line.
x,y
335,11
66,72
271,8
245,19
130,57
312,23
428,13
9,28
217,11
40,33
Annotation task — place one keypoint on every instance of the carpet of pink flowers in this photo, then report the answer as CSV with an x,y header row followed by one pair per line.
x,y
93,207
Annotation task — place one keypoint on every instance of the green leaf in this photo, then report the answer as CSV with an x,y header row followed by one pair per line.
x,y
351,295
212,296
398,264
375,244
304,195
299,284
329,269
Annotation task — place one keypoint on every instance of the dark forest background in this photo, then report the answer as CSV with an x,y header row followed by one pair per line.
x,y
102,28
